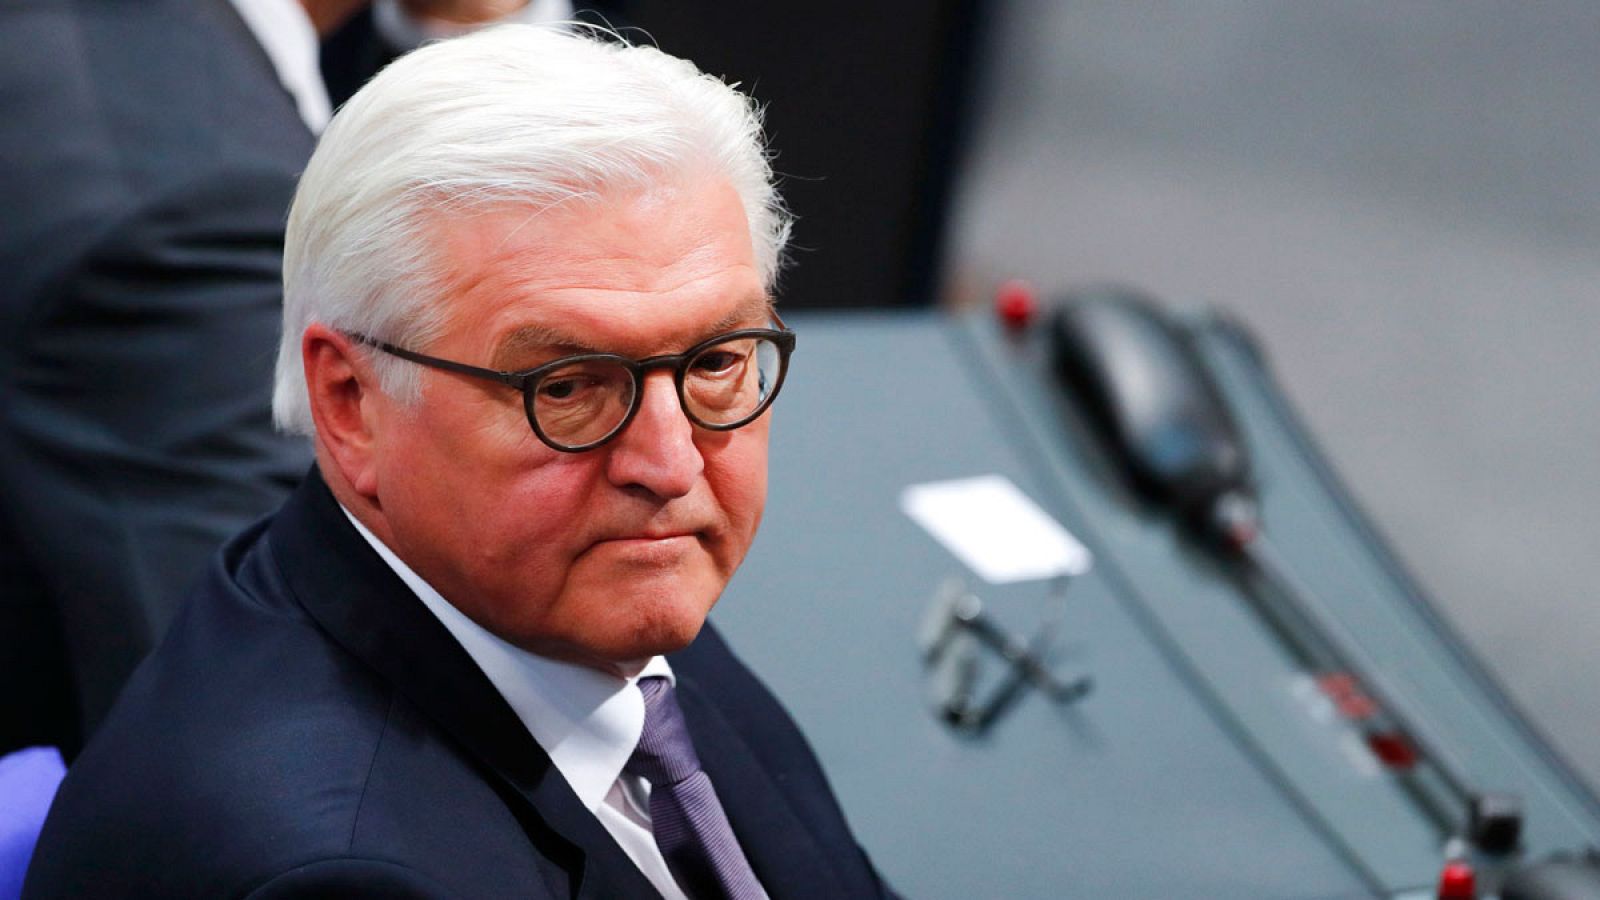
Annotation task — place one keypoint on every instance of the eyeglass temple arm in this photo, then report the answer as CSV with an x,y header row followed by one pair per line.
x,y
507,378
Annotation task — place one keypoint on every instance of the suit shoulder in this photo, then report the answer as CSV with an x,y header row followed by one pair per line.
x,y
241,748
112,103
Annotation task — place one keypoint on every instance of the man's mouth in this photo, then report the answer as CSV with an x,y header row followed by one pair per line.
x,y
653,549
647,538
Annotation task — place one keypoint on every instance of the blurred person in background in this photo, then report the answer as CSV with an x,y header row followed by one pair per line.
x,y
147,157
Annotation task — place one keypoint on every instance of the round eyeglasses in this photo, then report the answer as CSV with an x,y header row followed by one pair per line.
x,y
580,402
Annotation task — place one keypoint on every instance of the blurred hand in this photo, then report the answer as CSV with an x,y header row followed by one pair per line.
x,y
460,12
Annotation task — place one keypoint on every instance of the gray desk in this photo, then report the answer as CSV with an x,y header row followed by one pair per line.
x,y
1203,764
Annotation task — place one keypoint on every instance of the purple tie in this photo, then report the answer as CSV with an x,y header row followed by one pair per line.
x,y
690,827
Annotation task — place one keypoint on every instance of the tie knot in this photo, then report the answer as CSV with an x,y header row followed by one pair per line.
x,y
665,754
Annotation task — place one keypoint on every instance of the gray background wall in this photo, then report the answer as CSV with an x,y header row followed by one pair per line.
x,y
1403,201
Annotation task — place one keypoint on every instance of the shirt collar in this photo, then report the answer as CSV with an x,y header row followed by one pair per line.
x,y
588,721
284,30
404,31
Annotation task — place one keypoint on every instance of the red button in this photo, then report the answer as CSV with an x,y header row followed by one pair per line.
x,y
1392,749
1457,882
1016,303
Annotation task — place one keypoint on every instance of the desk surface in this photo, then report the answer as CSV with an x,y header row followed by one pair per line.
x,y
1203,763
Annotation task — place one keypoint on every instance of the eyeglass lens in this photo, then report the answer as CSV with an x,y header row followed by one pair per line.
x,y
722,385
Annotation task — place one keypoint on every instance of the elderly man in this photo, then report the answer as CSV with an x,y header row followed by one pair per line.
x,y
528,324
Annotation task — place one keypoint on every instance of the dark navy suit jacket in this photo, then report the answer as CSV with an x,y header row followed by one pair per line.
x,y
309,728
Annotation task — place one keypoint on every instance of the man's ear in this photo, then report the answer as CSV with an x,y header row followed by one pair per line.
x,y
344,404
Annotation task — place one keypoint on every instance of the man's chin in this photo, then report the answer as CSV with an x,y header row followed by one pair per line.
x,y
613,617
631,626
669,633
626,657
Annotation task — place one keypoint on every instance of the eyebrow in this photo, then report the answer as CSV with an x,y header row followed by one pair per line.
x,y
518,344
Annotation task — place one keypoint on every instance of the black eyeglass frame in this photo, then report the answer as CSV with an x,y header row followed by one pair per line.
x,y
525,381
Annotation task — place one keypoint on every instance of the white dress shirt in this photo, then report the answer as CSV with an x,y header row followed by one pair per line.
x,y
586,720
284,30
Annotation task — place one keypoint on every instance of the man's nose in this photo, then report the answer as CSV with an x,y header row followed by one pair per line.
x,y
657,450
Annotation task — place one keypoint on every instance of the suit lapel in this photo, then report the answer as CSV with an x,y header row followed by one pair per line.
x,y
365,607
782,851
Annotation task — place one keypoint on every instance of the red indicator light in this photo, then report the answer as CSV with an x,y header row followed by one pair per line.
x,y
1393,750
1016,303
1457,882
1356,706
1336,684
1347,695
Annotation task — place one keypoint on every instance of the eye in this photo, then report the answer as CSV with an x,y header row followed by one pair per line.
x,y
560,388
718,359
582,383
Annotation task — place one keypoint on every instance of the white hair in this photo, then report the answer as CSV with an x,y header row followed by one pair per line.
x,y
516,114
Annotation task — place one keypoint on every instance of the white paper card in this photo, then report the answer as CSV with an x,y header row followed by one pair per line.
x,y
993,527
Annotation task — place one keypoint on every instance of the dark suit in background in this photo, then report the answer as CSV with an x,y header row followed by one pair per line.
x,y
147,157
309,728
355,51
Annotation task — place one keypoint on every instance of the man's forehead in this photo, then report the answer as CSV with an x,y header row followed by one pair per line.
x,y
543,337
511,240
638,273
583,225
